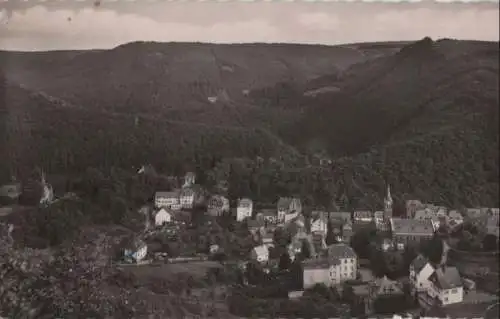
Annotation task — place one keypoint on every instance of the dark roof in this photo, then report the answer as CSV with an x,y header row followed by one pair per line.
x,y
316,263
167,194
419,263
446,278
412,226
284,202
363,214
244,202
255,223
341,251
268,212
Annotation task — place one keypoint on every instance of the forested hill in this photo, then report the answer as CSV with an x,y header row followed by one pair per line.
x,y
160,77
421,116
425,119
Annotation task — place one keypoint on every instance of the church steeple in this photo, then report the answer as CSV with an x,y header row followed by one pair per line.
x,y
388,203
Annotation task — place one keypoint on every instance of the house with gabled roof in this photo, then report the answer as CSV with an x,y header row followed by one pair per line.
x,y
135,250
419,273
269,216
446,287
411,230
163,216
244,209
288,206
319,223
217,205
260,253
344,262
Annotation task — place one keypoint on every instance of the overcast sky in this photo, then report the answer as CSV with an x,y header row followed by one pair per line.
x,y
55,24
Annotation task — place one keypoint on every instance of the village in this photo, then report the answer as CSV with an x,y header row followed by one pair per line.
x,y
301,249
331,262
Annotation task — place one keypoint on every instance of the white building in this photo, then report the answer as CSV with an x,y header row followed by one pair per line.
x,y
344,263
446,286
316,271
167,199
340,265
290,216
162,217
186,198
420,271
260,253
244,209
136,250
217,205
319,223
363,217
189,179
288,206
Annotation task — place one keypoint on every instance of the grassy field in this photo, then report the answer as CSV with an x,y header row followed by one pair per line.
x,y
171,271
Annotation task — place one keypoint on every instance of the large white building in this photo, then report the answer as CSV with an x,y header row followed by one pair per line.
x,y
244,209
162,217
344,263
340,264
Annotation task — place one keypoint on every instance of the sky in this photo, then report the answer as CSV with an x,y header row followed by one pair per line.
x,y
38,25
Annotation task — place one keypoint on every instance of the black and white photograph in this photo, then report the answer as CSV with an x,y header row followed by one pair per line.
x,y
230,159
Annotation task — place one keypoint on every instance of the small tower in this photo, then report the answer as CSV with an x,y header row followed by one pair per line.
x,y
48,192
388,204
189,179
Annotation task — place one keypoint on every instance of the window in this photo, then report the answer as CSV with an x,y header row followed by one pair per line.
x,y
454,290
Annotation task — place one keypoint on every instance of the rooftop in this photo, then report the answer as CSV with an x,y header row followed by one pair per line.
x,y
446,278
284,202
341,251
412,226
343,216
255,223
267,212
419,263
261,250
167,194
245,202
316,263
363,214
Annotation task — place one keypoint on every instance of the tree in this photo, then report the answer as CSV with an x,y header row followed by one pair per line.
x,y
433,249
490,242
330,236
305,251
285,262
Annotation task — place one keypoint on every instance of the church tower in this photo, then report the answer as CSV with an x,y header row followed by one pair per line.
x,y
388,204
